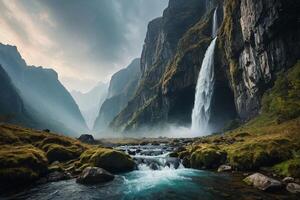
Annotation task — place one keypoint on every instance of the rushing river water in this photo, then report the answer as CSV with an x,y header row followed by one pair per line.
x,y
157,177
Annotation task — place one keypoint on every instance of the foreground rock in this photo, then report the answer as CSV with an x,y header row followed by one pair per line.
x,y
262,182
94,175
293,188
108,159
224,168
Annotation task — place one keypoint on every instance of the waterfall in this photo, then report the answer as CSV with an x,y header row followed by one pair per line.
x,y
215,24
205,87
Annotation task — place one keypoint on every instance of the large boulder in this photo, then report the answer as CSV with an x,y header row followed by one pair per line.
x,y
262,182
86,138
293,188
108,159
94,175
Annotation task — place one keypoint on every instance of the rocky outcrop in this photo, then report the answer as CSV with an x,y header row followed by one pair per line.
x,y
44,97
256,40
86,138
122,88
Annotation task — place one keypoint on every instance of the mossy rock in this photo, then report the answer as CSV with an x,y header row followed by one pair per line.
x,y
254,154
61,153
207,157
21,164
288,168
108,159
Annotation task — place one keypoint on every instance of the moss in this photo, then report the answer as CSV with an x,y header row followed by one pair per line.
x,y
56,152
283,100
207,156
258,152
108,159
288,168
21,164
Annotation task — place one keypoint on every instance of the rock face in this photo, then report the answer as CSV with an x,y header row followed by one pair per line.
x,y
256,39
44,97
122,87
94,175
262,182
259,40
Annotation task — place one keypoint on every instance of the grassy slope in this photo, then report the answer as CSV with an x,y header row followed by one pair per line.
x,y
27,154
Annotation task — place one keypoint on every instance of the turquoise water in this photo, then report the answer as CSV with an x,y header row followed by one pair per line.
x,y
170,181
153,185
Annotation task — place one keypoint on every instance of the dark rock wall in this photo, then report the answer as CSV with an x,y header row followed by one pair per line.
x,y
259,39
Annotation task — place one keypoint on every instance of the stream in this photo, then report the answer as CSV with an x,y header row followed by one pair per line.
x,y
157,177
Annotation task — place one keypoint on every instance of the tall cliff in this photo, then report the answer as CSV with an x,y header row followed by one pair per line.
x,y
122,87
256,39
44,97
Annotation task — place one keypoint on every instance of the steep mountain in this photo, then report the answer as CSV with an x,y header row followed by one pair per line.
x,y
256,40
90,102
44,97
122,87
11,104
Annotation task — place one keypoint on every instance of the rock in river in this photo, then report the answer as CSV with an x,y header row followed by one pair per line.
x,y
262,182
293,188
224,168
94,175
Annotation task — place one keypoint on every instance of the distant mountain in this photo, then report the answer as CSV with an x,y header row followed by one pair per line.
x,y
90,102
44,97
122,87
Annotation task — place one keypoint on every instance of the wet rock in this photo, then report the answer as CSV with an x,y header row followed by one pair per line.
x,y
94,175
130,152
293,188
288,180
262,182
224,168
86,138
154,166
58,176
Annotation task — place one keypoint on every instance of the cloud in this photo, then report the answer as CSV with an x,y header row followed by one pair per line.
x,y
81,40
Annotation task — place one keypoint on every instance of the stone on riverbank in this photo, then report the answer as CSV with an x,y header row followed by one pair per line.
x,y
224,168
262,182
293,188
94,175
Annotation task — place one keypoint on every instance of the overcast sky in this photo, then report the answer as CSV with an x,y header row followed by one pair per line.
x,y
85,41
